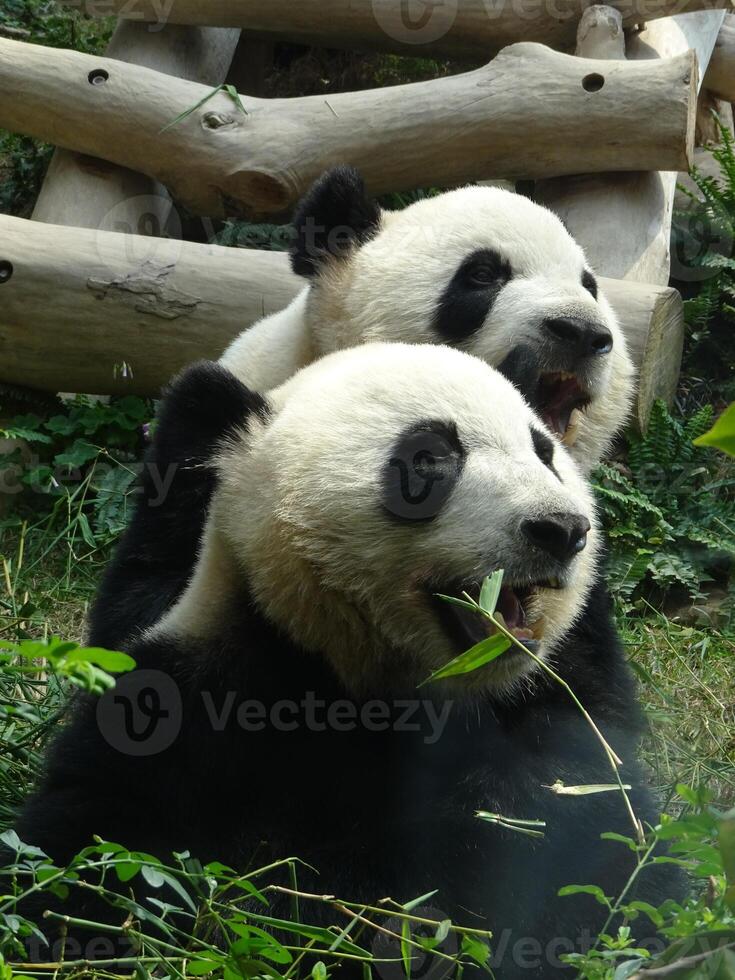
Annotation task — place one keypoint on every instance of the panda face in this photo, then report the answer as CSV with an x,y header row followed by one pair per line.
x,y
390,473
491,273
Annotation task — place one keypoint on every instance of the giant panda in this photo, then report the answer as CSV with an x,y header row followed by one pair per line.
x,y
343,503
477,268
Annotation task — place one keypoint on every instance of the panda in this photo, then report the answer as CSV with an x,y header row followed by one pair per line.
x,y
477,268
345,503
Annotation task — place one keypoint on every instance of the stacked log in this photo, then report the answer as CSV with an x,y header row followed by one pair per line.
x,y
182,301
531,112
471,29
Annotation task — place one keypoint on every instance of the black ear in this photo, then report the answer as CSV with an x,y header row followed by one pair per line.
x,y
332,218
201,405
523,369
157,552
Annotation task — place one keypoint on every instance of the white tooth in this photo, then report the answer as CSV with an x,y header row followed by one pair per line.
x,y
572,433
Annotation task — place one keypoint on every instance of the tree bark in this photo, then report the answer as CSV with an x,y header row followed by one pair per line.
x,y
452,28
623,221
117,313
91,193
531,112
720,77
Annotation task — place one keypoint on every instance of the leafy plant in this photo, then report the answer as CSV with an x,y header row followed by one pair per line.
x,y
669,513
722,433
87,455
35,676
705,235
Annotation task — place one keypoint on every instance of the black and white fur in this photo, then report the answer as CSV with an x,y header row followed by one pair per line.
x,y
317,573
478,268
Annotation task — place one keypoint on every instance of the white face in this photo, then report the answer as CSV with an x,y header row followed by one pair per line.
x,y
489,272
389,473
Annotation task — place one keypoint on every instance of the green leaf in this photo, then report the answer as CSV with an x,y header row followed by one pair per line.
x,y
86,530
415,902
319,971
588,790
79,453
597,893
722,433
490,591
480,654
406,946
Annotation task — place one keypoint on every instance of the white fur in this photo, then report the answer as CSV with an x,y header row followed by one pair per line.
x,y
388,289
298,510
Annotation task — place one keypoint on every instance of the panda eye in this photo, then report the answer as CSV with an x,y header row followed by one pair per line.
x,y
423,467
589,282
486,268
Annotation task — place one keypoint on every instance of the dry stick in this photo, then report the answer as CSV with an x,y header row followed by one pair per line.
x,y
393,913
613,758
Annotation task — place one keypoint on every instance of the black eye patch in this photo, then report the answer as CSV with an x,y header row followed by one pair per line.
x,y
589,282
424,465
544,448
467,300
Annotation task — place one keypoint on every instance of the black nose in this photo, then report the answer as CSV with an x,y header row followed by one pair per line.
x,y
584,338
560,535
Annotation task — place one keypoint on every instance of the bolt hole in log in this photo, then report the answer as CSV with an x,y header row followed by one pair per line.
x,y
98,76
593,82
6,270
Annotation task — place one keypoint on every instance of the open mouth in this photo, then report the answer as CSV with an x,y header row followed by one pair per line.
x,y
514,608
561,400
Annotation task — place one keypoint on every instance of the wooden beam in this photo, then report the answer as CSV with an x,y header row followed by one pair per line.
x,y
88,192
720,77
623,221
449,28
531,112
117,313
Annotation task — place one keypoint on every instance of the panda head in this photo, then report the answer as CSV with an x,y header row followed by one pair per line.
x,y
478,268
382,476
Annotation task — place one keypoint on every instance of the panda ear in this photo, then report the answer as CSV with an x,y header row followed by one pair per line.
x,y
201,406
335,216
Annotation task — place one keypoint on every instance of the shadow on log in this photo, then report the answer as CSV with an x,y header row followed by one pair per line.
x,y
122,313
531,112
452,28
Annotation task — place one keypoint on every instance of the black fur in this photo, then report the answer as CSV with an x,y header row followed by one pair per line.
x,y
334,216
589,282
376,813
522,367
467,300
544,447
156,555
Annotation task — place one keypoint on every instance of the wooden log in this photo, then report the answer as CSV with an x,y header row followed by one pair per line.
x,y
100,300
720,77
452,28
530,112
89,192
623,221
